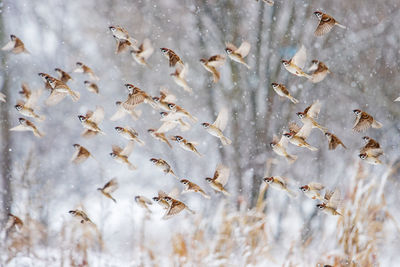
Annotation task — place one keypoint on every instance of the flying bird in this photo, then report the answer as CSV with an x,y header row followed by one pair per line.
x,y
91,87
137,96
296,64
177,112
310,114
25,91
80,155
326,23
15,45
179,78
185,144
123,39
171,124
312,190
129,134
13,222
91,122
143,202
238,54
319,71
192,187
331,202
216,129
175,207
82,68
28,108
160,198
81,215
279,147
122,111
59,91
142,54
279,183
281,90
173,58
333,141
164,166
220,179
211,64
371,151
26,125
297,136
62,75
364,121
121,155
160,136
109,188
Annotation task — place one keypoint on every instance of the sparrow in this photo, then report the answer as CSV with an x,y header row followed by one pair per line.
x,y
173,58
331,202
281,90
177,112
171,124
238,54
279,147
212,64
175,207
319,69
310,114
60,90
121,155
25,92
218,182
326,23
137,96
62,75
143,202
370,144
297,136
142,54
45,77
122,45
26,125
2,97
160,199
81,154
129,134
121,112
13,222
219,126
82,68
15,45
185,144
120,33
179,78
333,141
192,187
371,151
312,190
279,183
81,215
164,166
91,122
268,2
91,87
109,188
364,121
296,64
159,136
28,108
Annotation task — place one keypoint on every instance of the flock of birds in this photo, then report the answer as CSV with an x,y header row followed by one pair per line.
x,y
173,116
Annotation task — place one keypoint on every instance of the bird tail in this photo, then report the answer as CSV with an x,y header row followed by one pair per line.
x,y
191,211
291,158
131,166
291,193
192,118
75,95
376,124
345,147
226,193
40,117
141,142
341,26
198,153
294,100
312,148
168,143
204,194
37,133
216,75
225,141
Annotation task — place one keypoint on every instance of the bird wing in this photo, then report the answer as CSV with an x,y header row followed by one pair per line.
x,y
222,119
362,124
10,45
299,59
20,128
98,115
313,110
133,100
223,174
119,114
294,127
243,49
316,186
324,26
173,116
147,49
127,150
305,130
374,152
283,141
166,96
335,199
54,98
167,126
116,149
145,200
110,186
31,102
80,156
231,46
174,193
216,61
174,209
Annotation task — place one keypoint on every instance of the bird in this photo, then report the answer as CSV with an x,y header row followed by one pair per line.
x,y
192,187
211,64
279,147
173,58
121,155
281,90
62,75
60,90
120,33
296,64
160,198
82,68
15,45
137,96
177,112
179,78
331,202
159,136
371,151
27,125
91,87
81,216
25,92
109,188
2,97
28,108
171,124
310,114
364,121
216,129
164,166
122,111
81,154
333,141
175,207
143,52
129,134
319,71
45,79
185,144
297,136
91,122
220,179
326,23
279,183
13,222
143,202
122,45
238,54
312,190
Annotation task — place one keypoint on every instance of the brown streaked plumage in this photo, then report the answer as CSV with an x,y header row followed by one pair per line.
x,y
296,64
82,68
121,155
80,155
220,179
364,121
28,108
173,58
13,222
281,90
91,87
185,144
279,147
91,122
326,23
192,187
310,114
319,71
211,64
62,75
137,96
179,77
25,92
238,54
175,207
279,183
121,112
26,125
331,202
60,90
333,141
142,54
143,202
297,136
109,188
81,215
159,136
164,166
129,134
312,190
15,45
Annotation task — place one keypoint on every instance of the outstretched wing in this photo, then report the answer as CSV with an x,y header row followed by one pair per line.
x,y
98,115
111,186
222,119
147,49
216,61
127,150
223,174
244,49
299,59
313,110
305,130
